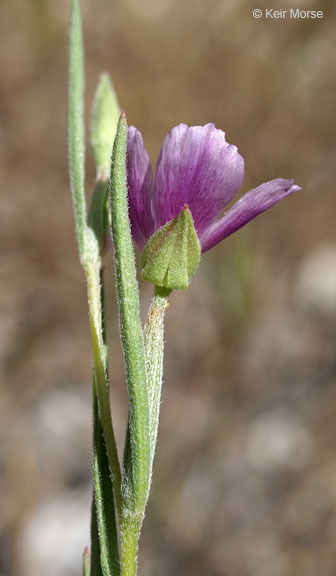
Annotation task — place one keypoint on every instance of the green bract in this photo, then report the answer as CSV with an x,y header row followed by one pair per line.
x,y
172,255
104,119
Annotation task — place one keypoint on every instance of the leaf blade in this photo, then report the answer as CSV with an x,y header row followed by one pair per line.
x,y
76,129
104,502
136,477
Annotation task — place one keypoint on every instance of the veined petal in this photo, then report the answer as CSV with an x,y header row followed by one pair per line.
x,y
196,168
248,207
140,187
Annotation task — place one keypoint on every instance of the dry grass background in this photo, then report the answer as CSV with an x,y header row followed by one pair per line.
x,y
245,475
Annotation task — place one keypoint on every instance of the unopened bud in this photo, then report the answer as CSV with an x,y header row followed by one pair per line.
x,y
104,119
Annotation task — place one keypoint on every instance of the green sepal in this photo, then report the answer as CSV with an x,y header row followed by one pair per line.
x,y
172,255
103,127
99,214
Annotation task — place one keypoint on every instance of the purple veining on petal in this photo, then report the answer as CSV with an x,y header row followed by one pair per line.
x,y
198,168
245,209
140,188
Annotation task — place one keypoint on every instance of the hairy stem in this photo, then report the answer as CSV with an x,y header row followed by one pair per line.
x,y
129,545
154,346
100,370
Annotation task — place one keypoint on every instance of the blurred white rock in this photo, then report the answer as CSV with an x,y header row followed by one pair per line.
x,y
277,440
55,534
61,428
315,287
259,553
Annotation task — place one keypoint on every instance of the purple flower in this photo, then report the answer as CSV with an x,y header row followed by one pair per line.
x,y
199,169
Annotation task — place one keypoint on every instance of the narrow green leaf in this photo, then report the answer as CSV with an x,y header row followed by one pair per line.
x,y
76,131
95,563
94,285
86,562
104,501
104,534
103,127
137,469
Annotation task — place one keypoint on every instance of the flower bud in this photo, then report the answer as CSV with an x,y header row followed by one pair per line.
x,y
172,255
104,119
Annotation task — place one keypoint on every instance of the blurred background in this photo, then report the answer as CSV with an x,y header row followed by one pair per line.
x,y
245,473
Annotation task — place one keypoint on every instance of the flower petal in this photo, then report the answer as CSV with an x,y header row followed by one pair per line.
x,y
140,181
248,207
198,168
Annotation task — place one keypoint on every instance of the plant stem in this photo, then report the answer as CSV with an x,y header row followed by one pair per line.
x,y
129,544
106,539
100,369
154,345
90,237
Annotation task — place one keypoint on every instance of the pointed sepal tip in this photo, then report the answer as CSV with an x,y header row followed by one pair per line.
x,y
172,255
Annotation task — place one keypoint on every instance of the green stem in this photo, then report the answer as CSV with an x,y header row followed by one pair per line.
x,y
154,345
100,370
104,504
129,545
90,236
104,535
